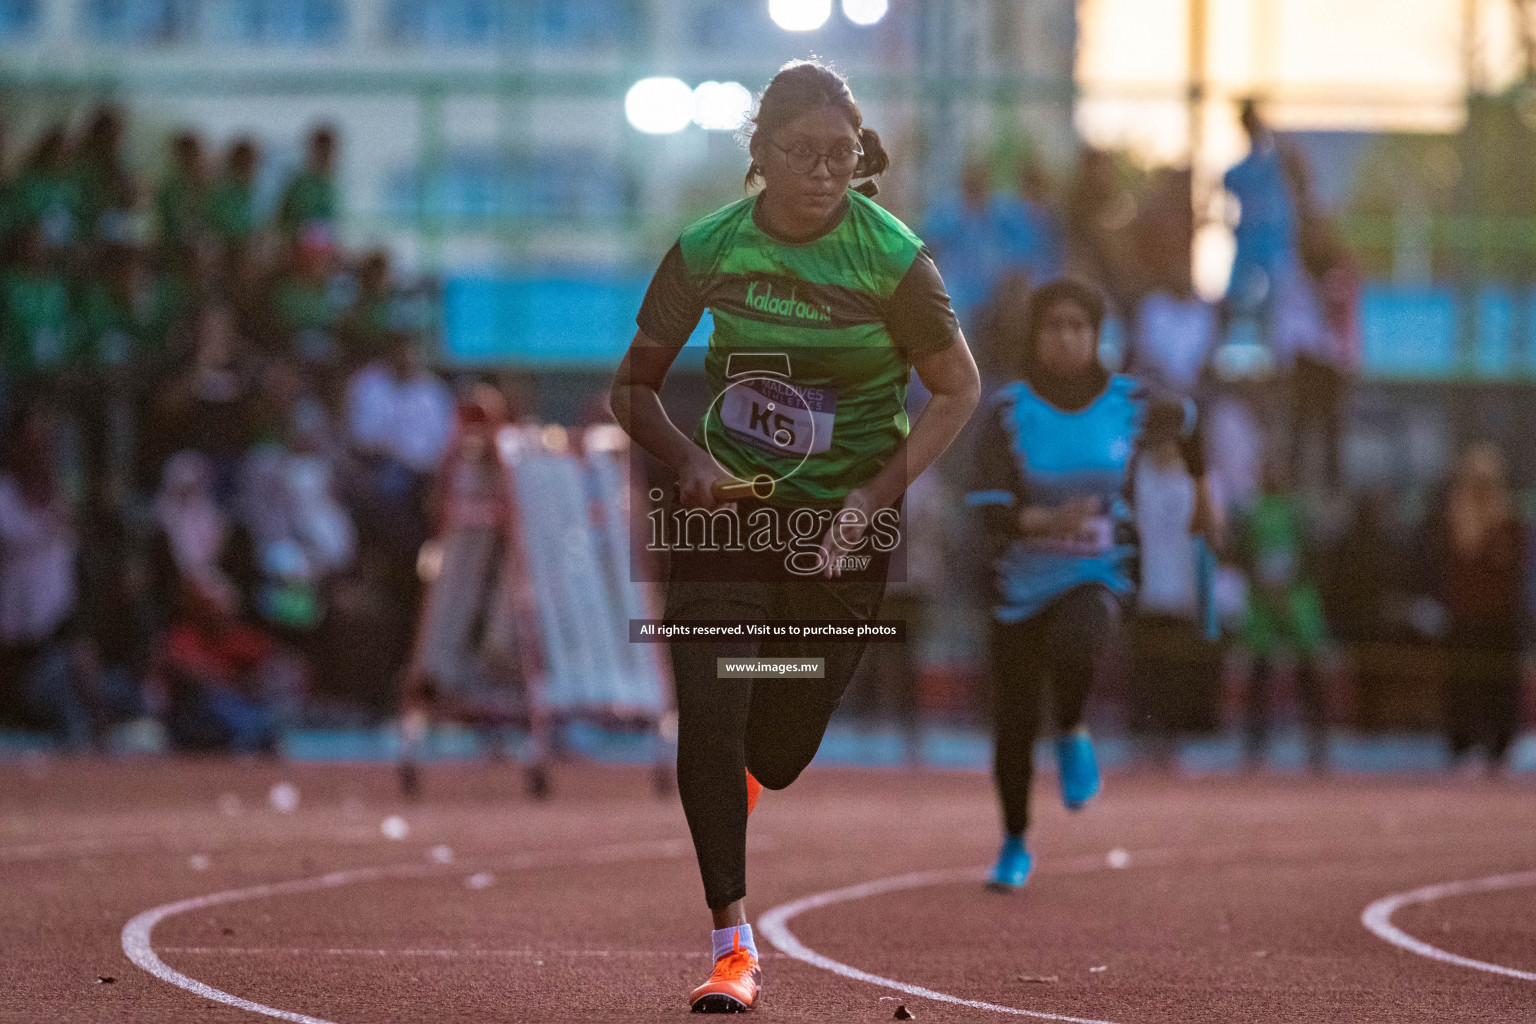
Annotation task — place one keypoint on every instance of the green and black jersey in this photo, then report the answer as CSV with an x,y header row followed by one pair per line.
x,y
813,342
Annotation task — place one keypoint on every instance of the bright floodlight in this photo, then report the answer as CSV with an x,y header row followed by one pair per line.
x,y
865,12
799,15
659,106
721,106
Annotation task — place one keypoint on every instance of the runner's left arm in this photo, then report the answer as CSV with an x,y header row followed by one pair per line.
x,y
923,326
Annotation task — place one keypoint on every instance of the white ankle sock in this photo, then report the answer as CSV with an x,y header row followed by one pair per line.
x,y
726,939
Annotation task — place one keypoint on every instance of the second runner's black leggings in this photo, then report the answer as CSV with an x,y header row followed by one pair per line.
x,y
771,727
1058,647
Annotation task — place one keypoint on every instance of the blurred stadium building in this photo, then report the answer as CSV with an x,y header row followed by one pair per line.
x,y
488,139
482,132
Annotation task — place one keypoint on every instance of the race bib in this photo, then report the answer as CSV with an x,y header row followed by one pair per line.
x,y
780,417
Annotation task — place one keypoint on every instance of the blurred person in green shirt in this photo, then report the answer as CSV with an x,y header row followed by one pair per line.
x,y
185,277
231,212
306,317
310,199
121,312
362,329
1285,614
46,194
180,197
121,340
38,334
108,193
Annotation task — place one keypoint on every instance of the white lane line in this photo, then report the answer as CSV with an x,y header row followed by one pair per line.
x,y
66,848
138,931
657,954
1378,919
774,925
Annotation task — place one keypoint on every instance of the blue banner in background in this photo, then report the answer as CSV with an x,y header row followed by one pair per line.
x,y
544,322
1417,332
586,322
1408,332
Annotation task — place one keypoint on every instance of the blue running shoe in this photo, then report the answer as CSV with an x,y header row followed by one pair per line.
x,y
1077,769
1013,866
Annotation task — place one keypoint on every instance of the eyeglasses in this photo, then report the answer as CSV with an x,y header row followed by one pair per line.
x,y
802,159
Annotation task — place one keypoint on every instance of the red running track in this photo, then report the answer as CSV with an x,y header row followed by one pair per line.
x,y
1238,900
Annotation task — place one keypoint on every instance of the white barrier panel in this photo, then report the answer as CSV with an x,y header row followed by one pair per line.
x,y
575,617
644,670
526,623
547,581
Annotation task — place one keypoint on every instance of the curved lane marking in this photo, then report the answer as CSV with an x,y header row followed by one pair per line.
x,y
138,932
1378,919
774,925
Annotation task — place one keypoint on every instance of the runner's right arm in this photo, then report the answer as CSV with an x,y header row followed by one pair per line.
x,y
667,317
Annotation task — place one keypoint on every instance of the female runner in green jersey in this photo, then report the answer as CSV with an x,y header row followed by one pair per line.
x,y
822,303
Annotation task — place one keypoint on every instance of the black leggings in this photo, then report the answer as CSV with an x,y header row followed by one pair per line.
x,y
771,727
1060,644
1482,689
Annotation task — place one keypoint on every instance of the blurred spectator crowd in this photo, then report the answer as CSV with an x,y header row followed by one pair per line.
x,y
219,441
1359,601
221,446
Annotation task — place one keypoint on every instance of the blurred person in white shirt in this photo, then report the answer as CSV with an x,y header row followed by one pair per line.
x,y
1174,336
41,684
399,421
398,409
1176,667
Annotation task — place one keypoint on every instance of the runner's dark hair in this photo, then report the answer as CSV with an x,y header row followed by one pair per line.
x,y
804,85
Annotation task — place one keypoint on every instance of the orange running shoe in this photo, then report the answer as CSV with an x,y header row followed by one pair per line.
x,y
735,985
754,790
